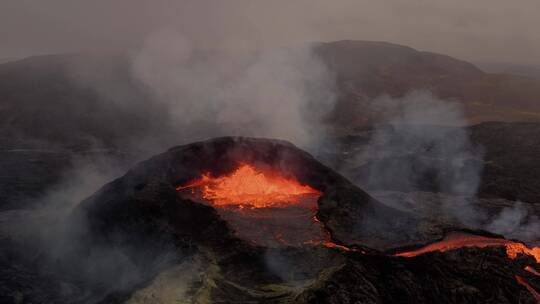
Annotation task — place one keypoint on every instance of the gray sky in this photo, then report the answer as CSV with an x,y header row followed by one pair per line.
x,y
478,30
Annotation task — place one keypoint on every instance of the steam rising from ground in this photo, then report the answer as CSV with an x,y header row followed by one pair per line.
x,y
48,237
516,222
422,145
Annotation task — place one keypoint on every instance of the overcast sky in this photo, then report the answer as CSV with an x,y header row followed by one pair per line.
x,y
477,30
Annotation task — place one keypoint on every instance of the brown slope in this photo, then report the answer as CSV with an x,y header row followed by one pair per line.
x,y
366,70
47,97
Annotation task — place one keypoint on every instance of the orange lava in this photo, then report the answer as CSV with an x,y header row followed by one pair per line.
x,y
248,187
330,244
455,241
532,270
327,240
460,240
513,249
533,292
242,197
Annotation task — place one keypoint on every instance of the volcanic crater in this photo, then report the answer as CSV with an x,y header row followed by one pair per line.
x,y
265,222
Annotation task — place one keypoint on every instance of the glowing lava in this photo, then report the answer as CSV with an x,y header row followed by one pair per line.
x,y
460,240
249,187
533,292
532,270
265,208
513,249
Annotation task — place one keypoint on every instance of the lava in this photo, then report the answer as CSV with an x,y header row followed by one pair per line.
x,y
532,270
461,240
327,240
248,187
533,292
265,208
513,249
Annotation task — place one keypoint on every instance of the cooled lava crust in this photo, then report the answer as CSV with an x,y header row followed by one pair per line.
x,y
143,215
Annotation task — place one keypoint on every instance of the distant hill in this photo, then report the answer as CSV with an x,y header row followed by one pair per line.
x,y
532,71
42,97
367,69
4,60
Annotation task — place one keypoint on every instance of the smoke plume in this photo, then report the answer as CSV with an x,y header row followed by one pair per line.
x,y
281,93
516,222
422,145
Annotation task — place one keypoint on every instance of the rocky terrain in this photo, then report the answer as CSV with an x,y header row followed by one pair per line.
x,y
183,251
386,189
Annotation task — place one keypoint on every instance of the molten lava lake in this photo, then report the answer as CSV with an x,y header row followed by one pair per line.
x,y
266,208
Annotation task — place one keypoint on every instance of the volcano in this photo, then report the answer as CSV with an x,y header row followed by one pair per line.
x,y
248,220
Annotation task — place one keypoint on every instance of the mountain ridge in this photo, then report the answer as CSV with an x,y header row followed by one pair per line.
x,y
76,109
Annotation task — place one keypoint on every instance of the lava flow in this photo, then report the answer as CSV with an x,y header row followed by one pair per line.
x,y
266,208
461,240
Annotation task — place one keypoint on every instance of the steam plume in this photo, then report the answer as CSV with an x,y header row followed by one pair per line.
x,y
281,93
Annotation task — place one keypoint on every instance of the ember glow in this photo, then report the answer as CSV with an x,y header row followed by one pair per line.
x,y
249,187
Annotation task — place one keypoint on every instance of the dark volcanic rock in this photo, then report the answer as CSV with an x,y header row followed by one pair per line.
x,y
141,216
28,174
505,156
469,275
511,166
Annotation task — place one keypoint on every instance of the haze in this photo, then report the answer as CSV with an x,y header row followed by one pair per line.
x,y
483,30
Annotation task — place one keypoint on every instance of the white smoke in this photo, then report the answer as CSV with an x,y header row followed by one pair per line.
x,y
421,143
46,234
282,93
516,222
